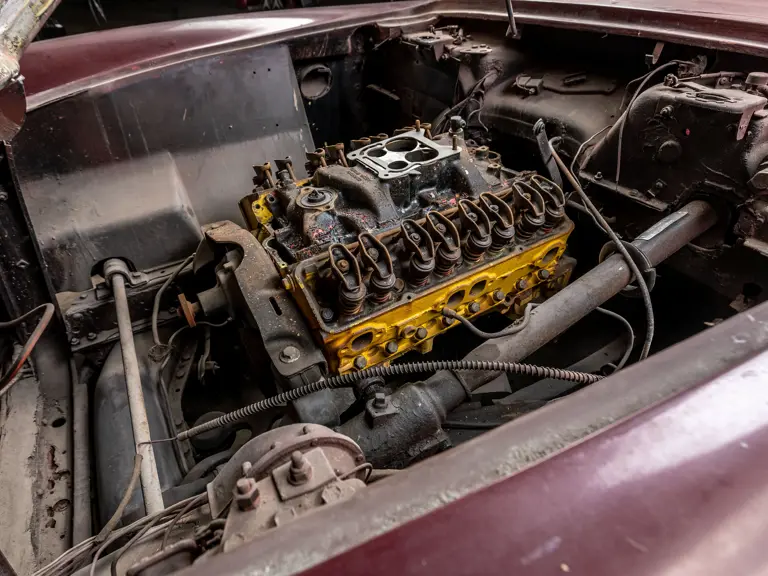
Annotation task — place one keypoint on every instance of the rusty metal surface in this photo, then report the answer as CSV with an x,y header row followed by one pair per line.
x,y
60,67
682,489
691,450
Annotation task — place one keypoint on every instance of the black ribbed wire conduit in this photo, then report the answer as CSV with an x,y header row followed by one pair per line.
x,y
349,379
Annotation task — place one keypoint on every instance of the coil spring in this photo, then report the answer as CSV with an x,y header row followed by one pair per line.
x,y
350,378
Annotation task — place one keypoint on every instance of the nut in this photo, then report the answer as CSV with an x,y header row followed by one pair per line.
x,y
300,471
289,354
246,494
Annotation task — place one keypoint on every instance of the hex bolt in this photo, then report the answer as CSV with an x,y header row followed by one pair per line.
x,y
243,486
498,295
544,274
91,336
380,400
360,362
522,284
391,347
326,314
473,308
301,470
421,333
74,341
448,321
246,493
289,354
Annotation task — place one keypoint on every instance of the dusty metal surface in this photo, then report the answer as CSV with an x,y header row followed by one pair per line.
x,y
501,453
680,488
61,67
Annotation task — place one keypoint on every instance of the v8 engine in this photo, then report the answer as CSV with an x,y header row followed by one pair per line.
x,y
376,244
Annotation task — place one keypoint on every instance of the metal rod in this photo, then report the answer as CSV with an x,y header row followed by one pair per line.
x,y
604,281
81,460
150,482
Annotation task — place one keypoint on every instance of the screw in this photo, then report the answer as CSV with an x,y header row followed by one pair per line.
x,y
598,175
391,347
243,486
498,295
360,362
380,400
91,336
473,308
74,341
544,274
522,284
326,314
289,354
300,471
415,237
373,253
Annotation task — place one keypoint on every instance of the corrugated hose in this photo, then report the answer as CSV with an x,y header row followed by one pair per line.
x,y
349,379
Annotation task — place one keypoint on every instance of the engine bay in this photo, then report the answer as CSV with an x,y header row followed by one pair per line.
x,y
394,239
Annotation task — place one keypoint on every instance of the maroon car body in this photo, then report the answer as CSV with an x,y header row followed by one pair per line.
x,y
586,485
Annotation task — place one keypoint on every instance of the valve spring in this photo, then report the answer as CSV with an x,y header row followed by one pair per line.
x,y
474,247
351,302
419,271
552,217
528,225
501,238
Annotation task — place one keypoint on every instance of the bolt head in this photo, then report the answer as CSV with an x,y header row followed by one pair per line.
x,y
498,295
522,284
391,347
360,362
343,265
380,400
74,341
301,470
421,333
598,176
373,253
326,314
289,354
3,196
91,336
474,308
544,274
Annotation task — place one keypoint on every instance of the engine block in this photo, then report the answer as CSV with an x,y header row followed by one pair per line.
x,y
375,244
